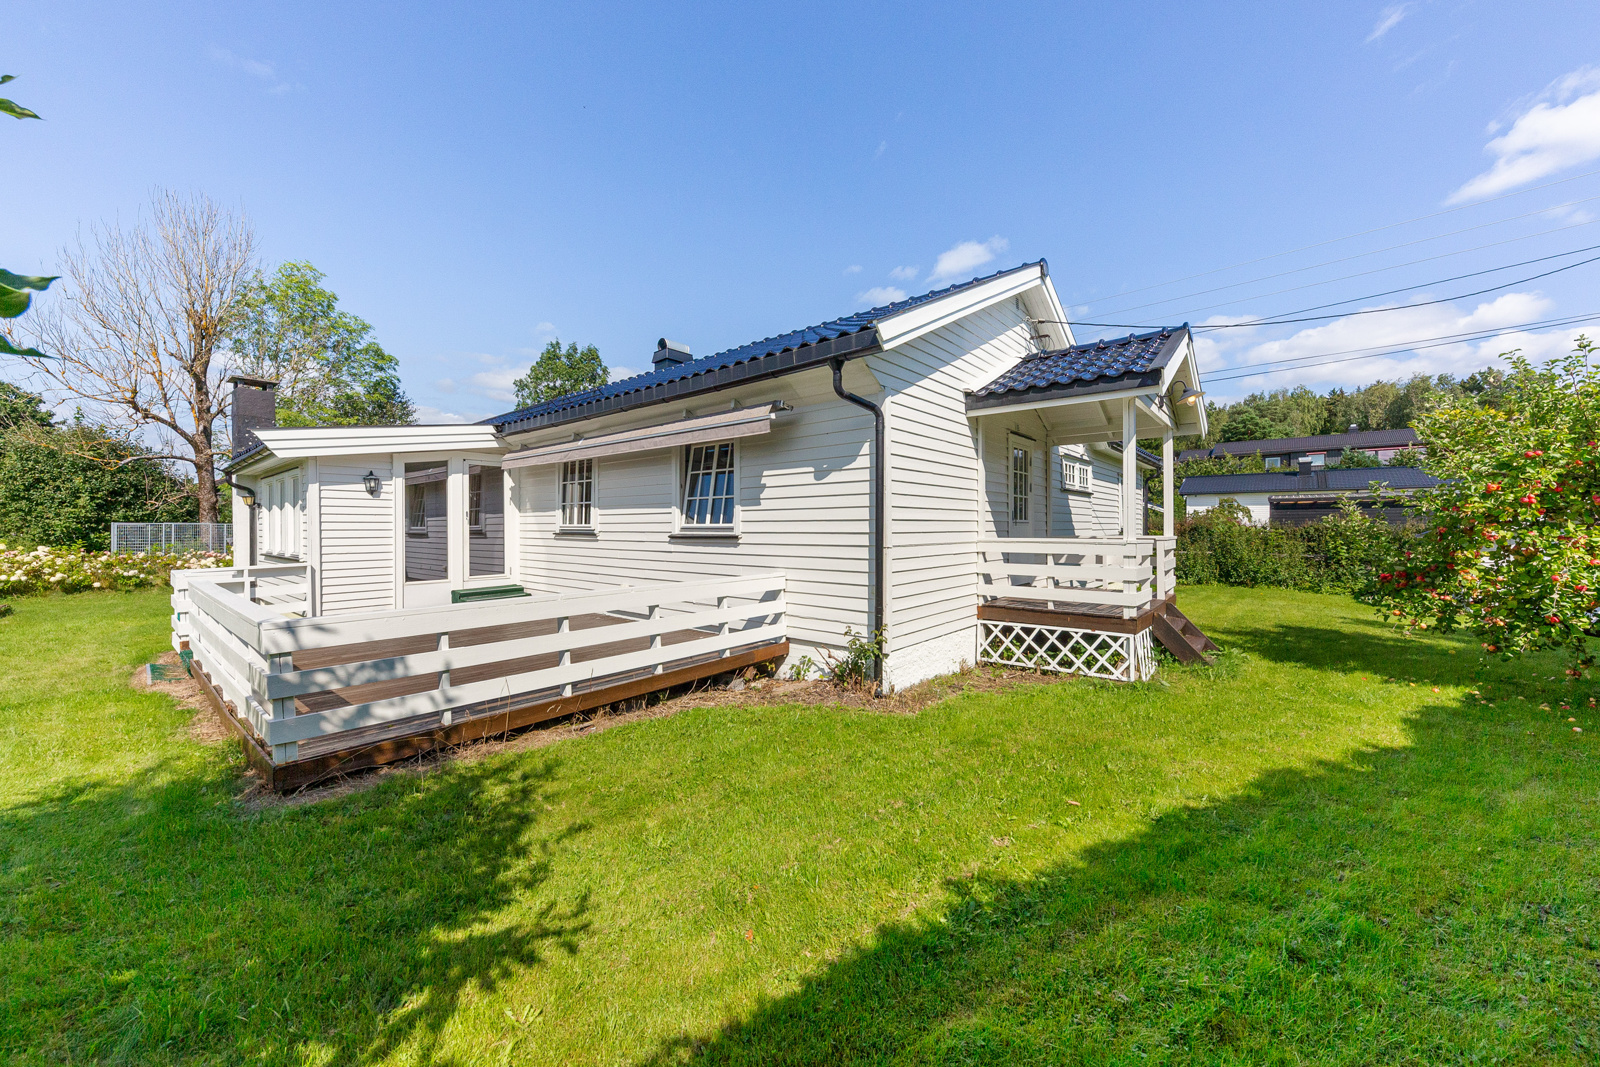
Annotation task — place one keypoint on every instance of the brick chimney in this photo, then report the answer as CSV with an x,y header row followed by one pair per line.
x,y
255,406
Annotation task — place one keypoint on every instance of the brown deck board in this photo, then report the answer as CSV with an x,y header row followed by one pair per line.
x,y
1104,618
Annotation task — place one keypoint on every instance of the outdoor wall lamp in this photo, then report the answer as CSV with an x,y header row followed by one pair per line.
x,y
371,482
1189,395
247,497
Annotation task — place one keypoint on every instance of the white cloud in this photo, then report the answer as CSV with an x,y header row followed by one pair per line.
x,y
431,415
1223,351
882,147
965,258
879,295
854,268
1388,19
904,274
253,67
1561,129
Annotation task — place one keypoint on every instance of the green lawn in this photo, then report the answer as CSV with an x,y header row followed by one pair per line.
x,y
1285,858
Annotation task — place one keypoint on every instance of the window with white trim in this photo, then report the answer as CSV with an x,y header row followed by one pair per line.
x,y
1077,474
1021,481
708,486
577,493
282,499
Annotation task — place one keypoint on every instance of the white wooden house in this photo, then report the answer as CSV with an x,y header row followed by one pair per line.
x,y
952,471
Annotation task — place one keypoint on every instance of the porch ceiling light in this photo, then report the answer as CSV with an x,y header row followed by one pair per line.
x,y
370,480
1189,395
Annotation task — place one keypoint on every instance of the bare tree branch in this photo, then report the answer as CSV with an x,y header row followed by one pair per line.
x,y
137,335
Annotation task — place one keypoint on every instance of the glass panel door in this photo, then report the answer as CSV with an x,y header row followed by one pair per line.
x,y
427,522
486,521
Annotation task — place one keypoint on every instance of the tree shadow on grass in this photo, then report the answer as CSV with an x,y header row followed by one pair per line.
x,y
151,920
1426,903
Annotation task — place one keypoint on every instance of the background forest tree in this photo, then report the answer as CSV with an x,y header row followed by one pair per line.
x,y
330,372
559,371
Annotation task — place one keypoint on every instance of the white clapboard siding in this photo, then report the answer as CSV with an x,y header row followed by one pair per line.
x,y
1096,514
804,509
357,565
934,515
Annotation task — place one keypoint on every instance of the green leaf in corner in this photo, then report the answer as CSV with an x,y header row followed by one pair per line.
x,y
16,110
7,78
26,281
9,349
13,302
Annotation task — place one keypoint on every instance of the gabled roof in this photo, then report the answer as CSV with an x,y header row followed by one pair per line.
x,y
851,335
1097,366
1401,438
1339,479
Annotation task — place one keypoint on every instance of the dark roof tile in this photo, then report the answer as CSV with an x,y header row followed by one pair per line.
x,y
1097,361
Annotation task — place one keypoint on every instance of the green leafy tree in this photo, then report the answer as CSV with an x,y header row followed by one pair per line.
x,y
1511,551
66,484
1248,424
1355,457
559,372
330,372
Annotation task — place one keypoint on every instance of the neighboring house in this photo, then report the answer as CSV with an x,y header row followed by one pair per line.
x,y
1319,450
1308,495
952,471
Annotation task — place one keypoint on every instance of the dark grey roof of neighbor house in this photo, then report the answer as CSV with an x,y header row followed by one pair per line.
x,y
1339,479
849,335
1098,366
1401,438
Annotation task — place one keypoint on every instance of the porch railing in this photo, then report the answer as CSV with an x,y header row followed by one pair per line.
x,y
283,588
298,680
1078,570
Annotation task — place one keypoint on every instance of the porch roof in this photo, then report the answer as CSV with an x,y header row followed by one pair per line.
x,y
1096,367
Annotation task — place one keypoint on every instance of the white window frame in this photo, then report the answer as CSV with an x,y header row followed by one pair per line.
x,y
282,500
1077,474
576,507
1019,482
685,463
418,492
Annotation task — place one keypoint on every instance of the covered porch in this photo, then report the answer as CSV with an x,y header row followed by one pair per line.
x,y
1071,577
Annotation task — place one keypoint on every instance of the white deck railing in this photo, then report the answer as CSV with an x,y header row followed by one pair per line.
x,y
249,648
1113,572
282,587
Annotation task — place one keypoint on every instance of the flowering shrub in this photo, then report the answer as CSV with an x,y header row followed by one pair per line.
x,y
1512,548
72,570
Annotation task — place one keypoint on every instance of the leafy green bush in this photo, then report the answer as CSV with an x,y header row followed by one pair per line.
x,y
1340,554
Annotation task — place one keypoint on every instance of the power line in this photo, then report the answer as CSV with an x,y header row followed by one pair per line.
x,y
1364,255
1400,307
1376,270
1347,237
1250,371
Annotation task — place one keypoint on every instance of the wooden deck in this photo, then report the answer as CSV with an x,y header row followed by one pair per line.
x,y
373,746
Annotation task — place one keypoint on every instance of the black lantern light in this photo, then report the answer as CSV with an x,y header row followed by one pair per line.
x,y
371,482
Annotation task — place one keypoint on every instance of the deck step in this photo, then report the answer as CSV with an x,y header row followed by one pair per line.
x,y
1180,636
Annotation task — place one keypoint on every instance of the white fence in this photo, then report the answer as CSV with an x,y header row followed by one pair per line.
x,y
383,668
171,536
1079,570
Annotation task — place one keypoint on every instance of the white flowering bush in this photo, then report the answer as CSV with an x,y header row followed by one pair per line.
x,y
73,570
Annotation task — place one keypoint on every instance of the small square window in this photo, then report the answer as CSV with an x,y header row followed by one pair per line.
x,y
1077,475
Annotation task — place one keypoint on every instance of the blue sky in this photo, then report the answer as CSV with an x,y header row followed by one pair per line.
x,y
475,179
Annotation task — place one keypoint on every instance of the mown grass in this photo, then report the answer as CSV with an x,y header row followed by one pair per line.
x,y
1284,858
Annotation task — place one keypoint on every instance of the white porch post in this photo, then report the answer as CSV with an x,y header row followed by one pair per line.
x,y
1131,526
1169,522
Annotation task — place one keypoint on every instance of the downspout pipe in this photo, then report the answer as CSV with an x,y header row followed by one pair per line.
x,y
879,512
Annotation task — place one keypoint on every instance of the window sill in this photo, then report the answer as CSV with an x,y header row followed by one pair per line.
x,y
1078,492
281,557
585,532
704,535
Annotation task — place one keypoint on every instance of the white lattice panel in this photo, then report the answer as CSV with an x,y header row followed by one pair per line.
x,y
1120,657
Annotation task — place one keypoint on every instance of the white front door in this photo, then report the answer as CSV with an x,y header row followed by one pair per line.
x,y
453,529
1019,472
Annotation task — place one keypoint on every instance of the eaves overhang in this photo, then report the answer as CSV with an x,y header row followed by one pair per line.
x,y
771,365
1149,380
